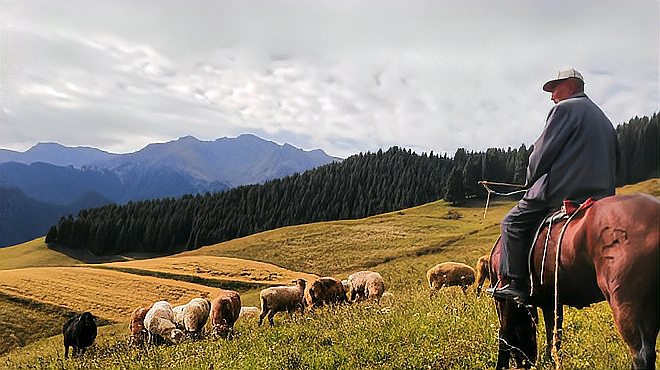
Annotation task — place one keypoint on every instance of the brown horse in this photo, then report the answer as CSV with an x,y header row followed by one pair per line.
x,y
609,251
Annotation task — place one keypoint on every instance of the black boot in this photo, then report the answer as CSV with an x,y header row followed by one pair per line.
x,y
517,291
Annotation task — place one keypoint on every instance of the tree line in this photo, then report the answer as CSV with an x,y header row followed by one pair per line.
x,y
362,185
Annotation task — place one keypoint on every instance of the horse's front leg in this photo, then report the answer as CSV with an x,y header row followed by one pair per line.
x,y
549,320
503,353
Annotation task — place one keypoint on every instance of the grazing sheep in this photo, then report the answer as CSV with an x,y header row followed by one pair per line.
x,y
79,333
159,322
191,317
387,298
225,310
325,290
347,287
450,274
366,285
249,311
483,272
138,332
282,298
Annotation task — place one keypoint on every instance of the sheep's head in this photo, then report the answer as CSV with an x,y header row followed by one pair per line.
x,y
300,282
138,337
221,329
88,318
177,336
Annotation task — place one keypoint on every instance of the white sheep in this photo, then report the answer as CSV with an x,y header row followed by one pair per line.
x,y
366,285
282,298
159,322
192,317
387,298
249,311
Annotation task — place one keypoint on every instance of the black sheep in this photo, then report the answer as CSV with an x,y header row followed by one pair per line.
x,y
79,333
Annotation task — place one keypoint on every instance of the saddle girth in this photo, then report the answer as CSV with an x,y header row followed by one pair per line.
x,y
567,212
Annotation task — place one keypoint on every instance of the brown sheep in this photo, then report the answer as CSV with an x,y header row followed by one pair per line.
x,y
138,332
366,285
450,274
483,272
225,310
282,298
325,291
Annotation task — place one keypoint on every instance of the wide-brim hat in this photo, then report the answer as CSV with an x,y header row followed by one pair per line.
x,y
561,76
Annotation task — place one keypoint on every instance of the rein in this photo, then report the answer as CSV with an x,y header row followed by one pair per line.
x,y
490,191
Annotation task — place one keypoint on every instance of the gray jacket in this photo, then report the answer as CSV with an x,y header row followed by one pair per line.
x,y
576,155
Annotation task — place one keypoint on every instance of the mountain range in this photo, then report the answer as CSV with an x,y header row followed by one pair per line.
x,y
56,177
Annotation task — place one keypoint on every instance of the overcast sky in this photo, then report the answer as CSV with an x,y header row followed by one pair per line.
x,y
343,76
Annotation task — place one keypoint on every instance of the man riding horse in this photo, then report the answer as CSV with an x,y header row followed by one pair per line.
x,y
574,159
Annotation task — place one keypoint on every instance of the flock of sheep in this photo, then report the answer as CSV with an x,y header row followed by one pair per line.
x,y
160,322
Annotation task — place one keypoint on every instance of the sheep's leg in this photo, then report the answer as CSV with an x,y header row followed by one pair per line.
x,y
66,351
263,314
270,318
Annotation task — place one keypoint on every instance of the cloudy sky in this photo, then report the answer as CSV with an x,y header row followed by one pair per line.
x,y
343,76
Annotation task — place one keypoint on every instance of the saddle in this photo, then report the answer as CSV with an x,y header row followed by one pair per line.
x,y
567,212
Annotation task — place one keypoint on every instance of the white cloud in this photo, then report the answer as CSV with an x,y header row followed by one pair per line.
x,y
344,77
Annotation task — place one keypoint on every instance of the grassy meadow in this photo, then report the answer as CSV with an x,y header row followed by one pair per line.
x,y
452,331
34,253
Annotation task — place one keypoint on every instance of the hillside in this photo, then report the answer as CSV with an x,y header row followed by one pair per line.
x,y
451,331
360,186
34,253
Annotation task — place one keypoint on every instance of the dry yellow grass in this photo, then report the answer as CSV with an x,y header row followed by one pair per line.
x,y
651,186
217,268
108,294
34,253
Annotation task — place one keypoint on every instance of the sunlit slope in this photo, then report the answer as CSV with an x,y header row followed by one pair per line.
x,y
651,186
34,253
215,268
108,294
327,248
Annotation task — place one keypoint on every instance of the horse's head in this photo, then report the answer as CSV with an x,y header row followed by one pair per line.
x,y
517,334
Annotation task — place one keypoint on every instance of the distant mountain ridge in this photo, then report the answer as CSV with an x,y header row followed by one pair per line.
x,y
56,154
23,218
57,175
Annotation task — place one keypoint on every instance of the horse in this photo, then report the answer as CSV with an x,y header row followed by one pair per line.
x,y
608,252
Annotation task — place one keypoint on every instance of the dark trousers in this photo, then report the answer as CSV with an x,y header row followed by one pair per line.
x,y
518,229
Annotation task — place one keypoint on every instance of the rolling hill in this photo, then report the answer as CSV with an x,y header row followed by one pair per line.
x,y
451,331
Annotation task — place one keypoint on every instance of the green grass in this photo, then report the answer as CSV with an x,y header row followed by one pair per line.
x,y
450,332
